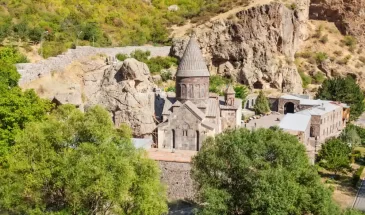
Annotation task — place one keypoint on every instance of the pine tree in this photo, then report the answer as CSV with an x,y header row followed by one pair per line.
x,y
262,104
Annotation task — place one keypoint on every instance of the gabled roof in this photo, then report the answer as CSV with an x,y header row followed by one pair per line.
x,y
194,109
192,63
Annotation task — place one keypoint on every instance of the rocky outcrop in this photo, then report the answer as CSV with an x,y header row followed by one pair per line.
x,y
256,46
126,90
33,71
349,16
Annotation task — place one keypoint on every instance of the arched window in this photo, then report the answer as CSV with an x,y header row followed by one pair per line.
x,y
190,91
173,138
196,91
197,141
183,90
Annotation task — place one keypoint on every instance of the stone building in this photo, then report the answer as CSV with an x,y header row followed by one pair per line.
x,y
194,113
327,118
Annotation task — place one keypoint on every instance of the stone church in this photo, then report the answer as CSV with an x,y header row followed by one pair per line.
x,y
194,113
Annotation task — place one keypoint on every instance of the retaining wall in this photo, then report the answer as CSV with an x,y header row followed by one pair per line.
x,y
176,176
32,71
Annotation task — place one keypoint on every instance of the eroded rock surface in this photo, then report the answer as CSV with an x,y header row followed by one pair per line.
x,y
256,46
349,15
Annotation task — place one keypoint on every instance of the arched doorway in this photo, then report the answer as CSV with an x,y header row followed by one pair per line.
x,y
289,107
312,131
173,138
258,85
197,141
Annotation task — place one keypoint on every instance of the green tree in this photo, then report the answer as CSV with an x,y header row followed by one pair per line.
x,y
258,172
17,107
360,131
334,155
241,92
75,163
345,90
351,137
262,104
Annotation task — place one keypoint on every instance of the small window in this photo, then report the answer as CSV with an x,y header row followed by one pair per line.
x,y
185,132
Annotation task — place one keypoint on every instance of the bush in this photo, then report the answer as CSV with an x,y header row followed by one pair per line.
x,y
349,41
338,53
319,77
306,79
217,83
305,55
357,175
171,89
121,57
320,57
166,76
262,104
344,60
156,64
141,55
324,39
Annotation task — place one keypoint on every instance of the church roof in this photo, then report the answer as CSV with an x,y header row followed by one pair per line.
x,y
192,63
230,90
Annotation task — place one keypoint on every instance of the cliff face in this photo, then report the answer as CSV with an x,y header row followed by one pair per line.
x,y
256,46
125,89
348,15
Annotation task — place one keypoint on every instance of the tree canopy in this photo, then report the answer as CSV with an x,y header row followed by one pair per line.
x,y
262,104
17,107
258,172
76,163
345,90
334,155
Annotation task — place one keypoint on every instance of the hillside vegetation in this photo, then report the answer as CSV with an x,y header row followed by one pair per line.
x,y
62,24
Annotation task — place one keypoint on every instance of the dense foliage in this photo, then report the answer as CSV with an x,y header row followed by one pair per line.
x,y
76,163
360,131
218,83
155,64
262,104
345,90
334,155
241,92
259,172
17,107
62,24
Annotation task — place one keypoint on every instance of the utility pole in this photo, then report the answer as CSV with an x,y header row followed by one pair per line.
x,y
42,37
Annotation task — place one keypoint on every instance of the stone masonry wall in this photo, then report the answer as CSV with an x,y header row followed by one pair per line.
x,y
32,71
176,176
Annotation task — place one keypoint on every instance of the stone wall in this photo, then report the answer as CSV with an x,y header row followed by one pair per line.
x,y
32,71
176,176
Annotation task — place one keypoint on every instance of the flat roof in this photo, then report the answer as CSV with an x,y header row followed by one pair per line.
x,y
180,156
295,122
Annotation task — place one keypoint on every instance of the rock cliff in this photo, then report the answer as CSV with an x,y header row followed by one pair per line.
x,y
349,16
125,89
255,46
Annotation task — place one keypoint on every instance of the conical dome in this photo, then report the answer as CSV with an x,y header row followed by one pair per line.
x,y
230,90
192,63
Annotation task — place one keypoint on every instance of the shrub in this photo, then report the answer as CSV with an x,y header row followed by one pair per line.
x,y
306,79
166,76
320,57
345,60
141,55
357,175
338,53
324,39
349,41
319,77
121,57
156,64
305,55
171,89
319,31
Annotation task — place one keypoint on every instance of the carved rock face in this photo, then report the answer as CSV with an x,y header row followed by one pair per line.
x,y
256,47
